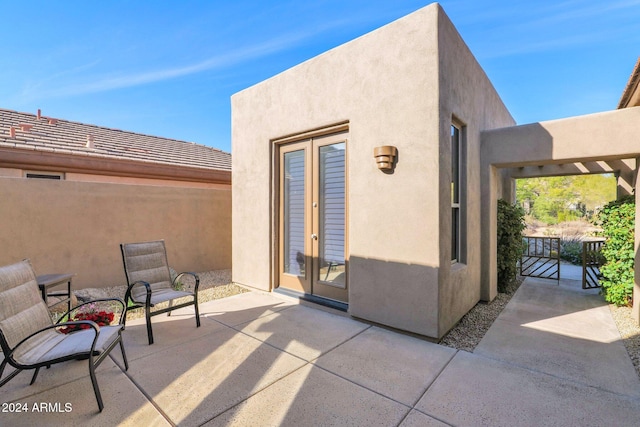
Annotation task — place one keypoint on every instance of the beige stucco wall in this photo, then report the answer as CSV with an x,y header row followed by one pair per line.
x,y
466,94
69,176
608,135
399,85
71,226
11,172
97,177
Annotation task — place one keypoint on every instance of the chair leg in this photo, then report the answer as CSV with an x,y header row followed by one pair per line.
x,y
149,331
170,305
35,375
2,366
94,382
10,376
124,356
197,311
124,318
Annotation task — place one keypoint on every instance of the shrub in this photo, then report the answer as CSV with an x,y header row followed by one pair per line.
x,y
510,226
571,250
617,220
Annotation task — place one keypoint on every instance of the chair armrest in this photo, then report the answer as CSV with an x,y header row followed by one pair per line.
x,y
127,295
118,300
194,275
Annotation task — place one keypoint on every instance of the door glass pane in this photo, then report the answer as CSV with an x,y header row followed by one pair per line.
x,y
331,205
294,198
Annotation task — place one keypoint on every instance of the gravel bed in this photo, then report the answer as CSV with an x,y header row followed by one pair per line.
x,y
471,328
629,331
469,331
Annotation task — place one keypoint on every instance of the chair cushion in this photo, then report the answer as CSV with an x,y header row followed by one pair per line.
x,y
50,345
162,295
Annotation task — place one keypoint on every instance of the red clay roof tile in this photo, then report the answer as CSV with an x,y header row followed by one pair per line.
x,y
49,134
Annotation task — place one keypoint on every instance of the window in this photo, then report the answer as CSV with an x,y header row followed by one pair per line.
x,y
44,175
457,170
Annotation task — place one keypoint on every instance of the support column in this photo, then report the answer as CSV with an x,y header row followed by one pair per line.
x,y
625,178
508,190
491,181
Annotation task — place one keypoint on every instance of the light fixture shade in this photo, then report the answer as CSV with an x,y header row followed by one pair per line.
x,y
385,157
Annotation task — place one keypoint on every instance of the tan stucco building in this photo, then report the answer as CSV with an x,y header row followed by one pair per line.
x,y
412,247
410,85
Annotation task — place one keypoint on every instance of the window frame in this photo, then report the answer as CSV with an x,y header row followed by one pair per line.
x,y
458,190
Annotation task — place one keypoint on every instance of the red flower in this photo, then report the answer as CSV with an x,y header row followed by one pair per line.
x,y
101,318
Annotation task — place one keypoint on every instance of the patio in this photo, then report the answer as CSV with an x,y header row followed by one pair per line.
x,y
265,359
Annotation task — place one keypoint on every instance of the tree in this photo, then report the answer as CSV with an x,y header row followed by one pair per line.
x,y
559,198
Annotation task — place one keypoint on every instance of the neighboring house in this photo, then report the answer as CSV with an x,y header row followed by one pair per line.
x,y
32,145
71,192
411,247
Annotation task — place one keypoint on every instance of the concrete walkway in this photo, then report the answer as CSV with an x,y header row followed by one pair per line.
x,y
553,357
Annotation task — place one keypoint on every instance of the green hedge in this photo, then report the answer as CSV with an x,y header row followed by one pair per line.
x,y
510,227
617,220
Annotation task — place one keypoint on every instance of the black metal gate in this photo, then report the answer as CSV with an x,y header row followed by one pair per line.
x,y
591,262
541,257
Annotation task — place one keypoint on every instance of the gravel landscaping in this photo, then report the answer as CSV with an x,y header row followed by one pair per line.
x,y
629,331
469,331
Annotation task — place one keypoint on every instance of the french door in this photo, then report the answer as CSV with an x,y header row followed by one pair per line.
x,y
312,216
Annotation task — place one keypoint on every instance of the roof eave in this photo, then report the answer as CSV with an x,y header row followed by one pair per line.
x,y
631,94
63,162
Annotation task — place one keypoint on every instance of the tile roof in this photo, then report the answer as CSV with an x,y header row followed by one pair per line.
x,y
630,94
29,132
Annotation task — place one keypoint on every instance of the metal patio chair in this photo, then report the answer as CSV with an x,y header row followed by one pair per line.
x,y
30,339
149,281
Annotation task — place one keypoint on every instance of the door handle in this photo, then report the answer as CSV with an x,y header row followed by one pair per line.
x,y
314,236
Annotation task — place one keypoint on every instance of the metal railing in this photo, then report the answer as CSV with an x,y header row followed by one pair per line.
x,y
591,262
541,257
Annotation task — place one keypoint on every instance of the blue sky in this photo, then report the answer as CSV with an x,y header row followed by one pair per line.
x,y
169,68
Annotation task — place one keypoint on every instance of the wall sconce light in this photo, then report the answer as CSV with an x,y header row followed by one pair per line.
x,y
385,157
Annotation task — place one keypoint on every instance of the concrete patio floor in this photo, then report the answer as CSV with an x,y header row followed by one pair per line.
x,y
553,357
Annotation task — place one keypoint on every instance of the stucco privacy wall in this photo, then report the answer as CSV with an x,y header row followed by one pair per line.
x,y
467,96
606,136
76,227
390,88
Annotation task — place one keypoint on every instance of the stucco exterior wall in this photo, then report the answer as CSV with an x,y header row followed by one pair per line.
x,y
96,177
468,96
400,85
385,85
593,137
76,227
70,176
